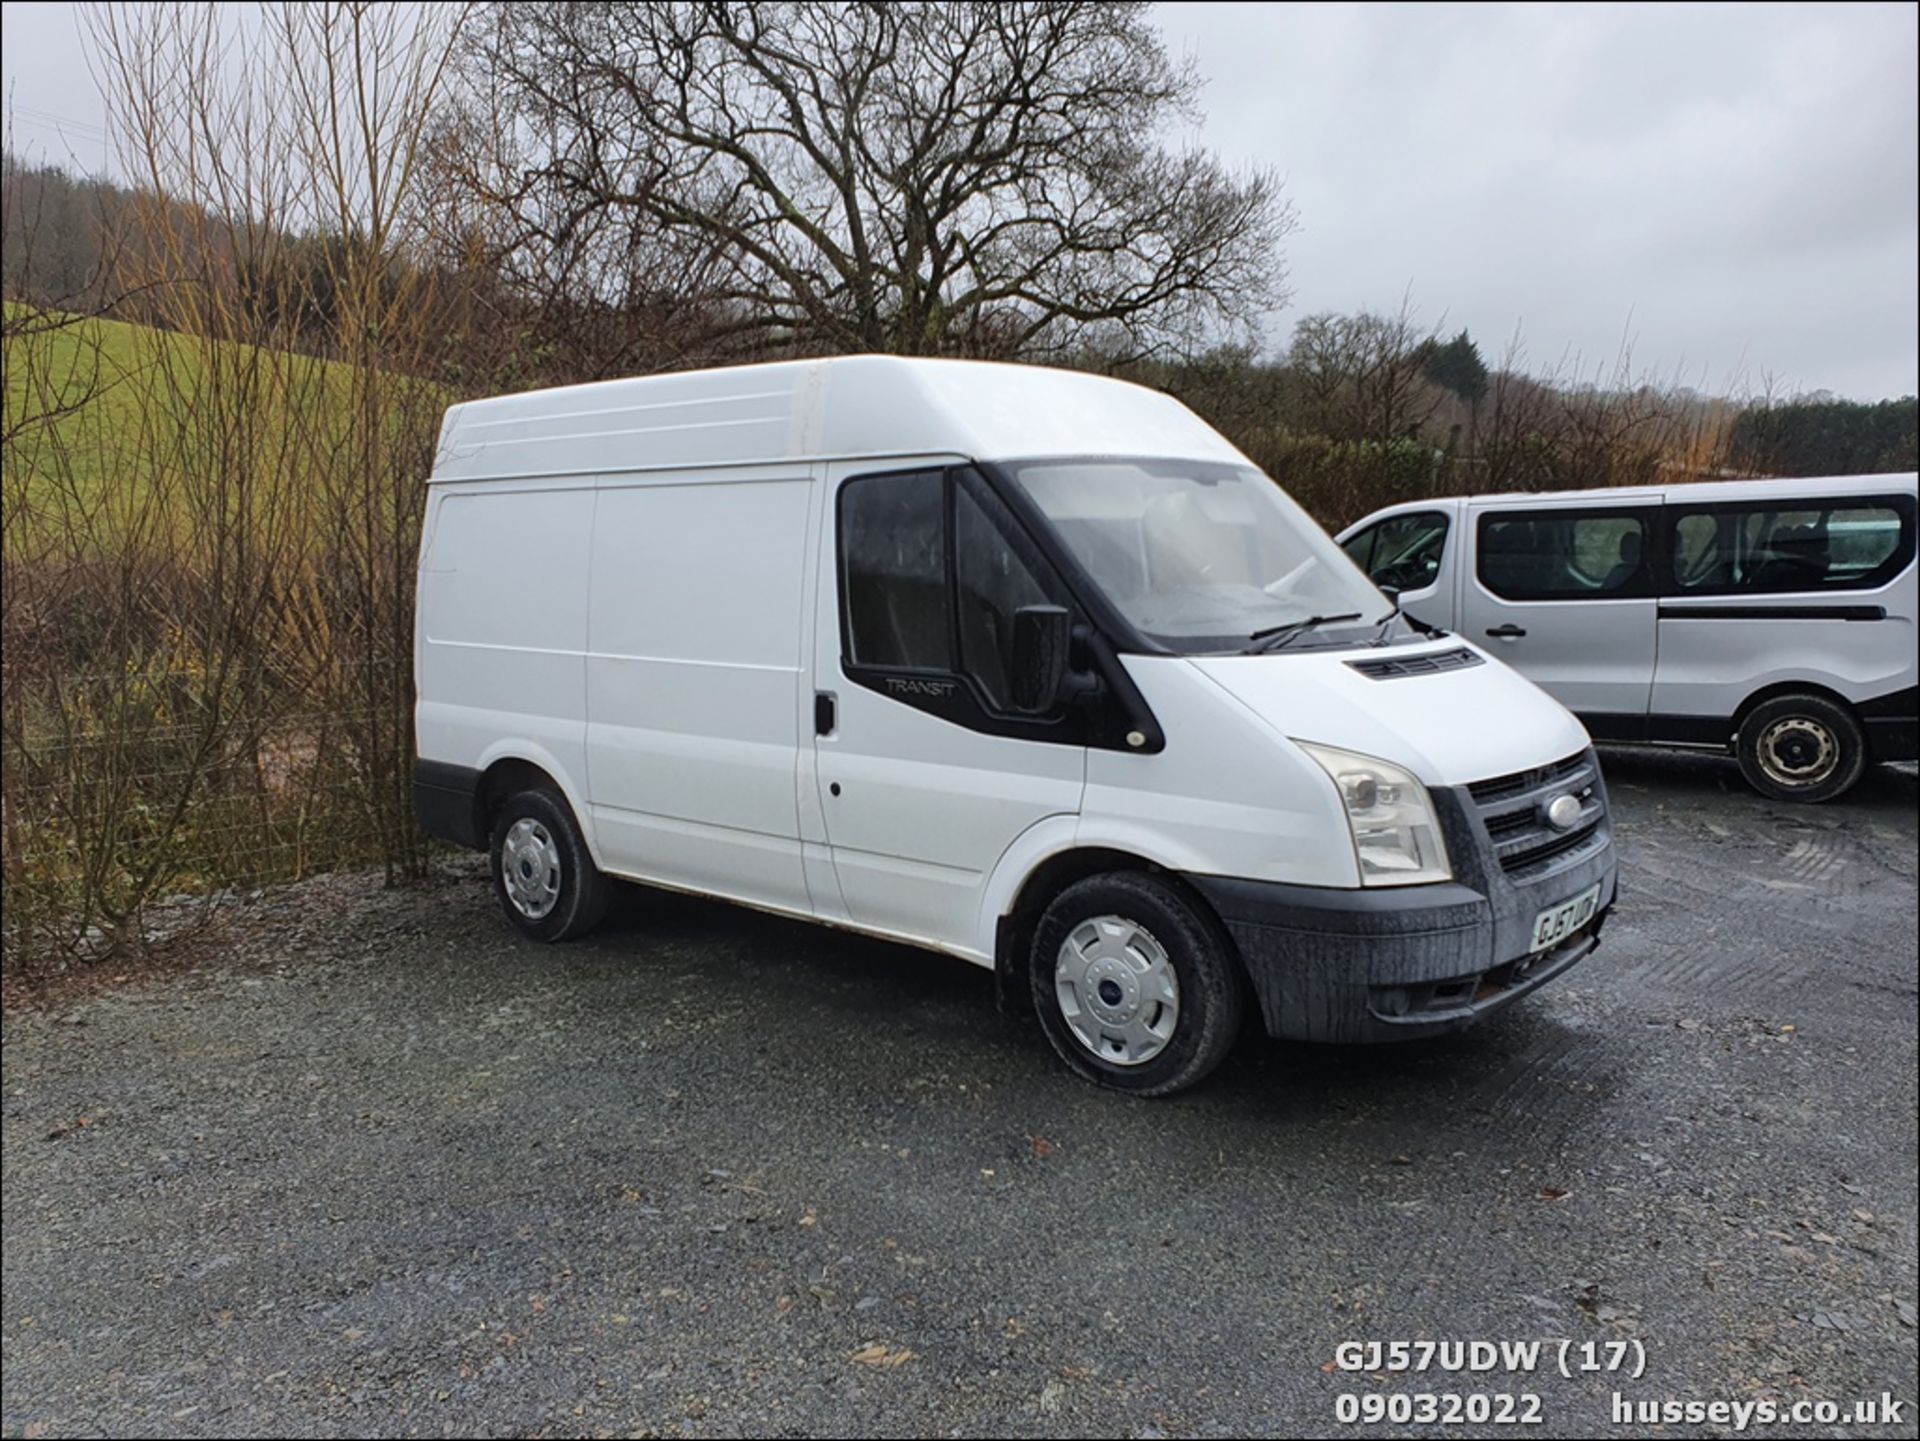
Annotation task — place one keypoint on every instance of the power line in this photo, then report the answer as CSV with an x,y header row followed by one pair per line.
x,y
48,119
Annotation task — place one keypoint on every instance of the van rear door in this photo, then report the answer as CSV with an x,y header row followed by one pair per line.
x,y
1564,593
926,772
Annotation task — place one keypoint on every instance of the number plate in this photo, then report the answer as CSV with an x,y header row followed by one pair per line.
x,y
1556,923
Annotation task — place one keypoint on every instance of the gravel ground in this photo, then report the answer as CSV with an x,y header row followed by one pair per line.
x,y
371,1166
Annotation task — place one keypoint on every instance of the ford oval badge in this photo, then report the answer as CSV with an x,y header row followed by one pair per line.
x,y
1563,814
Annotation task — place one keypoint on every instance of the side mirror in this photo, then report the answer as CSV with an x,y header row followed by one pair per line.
x,y
1040,637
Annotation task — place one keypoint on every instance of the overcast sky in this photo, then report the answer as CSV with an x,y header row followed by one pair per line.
x,y
1733,190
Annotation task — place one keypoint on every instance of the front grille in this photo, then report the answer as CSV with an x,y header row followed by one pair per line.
x,y
1392,667
1513,808
1502,787
1509,824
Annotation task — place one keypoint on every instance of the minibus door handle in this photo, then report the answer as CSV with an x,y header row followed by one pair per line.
x,y
824,717
1506,632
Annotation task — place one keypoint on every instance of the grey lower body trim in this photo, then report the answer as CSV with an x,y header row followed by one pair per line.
x,y
1893,725
446,803
1396,964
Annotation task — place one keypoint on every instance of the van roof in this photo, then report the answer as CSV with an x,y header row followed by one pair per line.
x,y
1718,490
848,407
1701,491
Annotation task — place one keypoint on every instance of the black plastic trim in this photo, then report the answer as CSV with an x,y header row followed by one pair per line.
x,y
1892,724
1690,730
1671,611
1615,729
1893,738
446,801
1426,663
1675,730
1894,705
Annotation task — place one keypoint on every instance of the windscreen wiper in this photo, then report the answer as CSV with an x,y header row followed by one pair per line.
x,y
1275,636
1385,624
1387,620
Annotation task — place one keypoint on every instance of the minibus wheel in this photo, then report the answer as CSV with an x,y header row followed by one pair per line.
x,y
1802,748
543,873
1135,983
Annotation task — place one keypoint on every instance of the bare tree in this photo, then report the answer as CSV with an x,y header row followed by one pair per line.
x,y
206,678
1559,428
1363,376
915,177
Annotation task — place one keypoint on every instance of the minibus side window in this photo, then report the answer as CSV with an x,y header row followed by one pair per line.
x,y
1761,549
893,549
1564,554
1703,549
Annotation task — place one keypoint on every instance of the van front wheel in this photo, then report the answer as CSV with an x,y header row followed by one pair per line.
x,y
543,873
1135,983
1802,748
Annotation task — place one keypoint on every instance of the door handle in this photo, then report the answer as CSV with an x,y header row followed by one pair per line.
x,y
825,715
1506,632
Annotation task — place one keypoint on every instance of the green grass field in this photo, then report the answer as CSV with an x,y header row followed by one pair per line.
x,y
105,364
104,416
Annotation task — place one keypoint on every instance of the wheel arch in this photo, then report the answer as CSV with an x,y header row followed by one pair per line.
x,y
1016,919
1776,690
506,771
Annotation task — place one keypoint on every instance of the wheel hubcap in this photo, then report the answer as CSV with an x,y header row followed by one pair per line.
x,y
1117,990
530,868
1798,751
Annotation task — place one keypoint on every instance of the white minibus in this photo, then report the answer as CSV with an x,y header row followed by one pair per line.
x,y
1770,618
1025,666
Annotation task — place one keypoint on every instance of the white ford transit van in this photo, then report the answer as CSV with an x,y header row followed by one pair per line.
x,y
1030,667
1772,618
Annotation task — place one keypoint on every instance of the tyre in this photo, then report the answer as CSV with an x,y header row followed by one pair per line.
x,y
1802,748
543,874
1136,984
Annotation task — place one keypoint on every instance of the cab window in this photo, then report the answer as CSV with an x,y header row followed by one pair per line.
x,y
934,569
893,556
995,574
1402,551
1564,554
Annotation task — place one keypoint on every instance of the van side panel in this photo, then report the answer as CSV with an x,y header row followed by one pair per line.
x,y
502,628
1718,651
693,676
1710,666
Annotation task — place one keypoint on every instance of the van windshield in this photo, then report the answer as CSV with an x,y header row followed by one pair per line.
x,y
1200,556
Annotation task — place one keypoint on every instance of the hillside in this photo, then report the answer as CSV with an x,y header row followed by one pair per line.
x,y
104,415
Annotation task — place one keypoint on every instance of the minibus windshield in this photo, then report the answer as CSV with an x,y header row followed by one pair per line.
x,y
1202,556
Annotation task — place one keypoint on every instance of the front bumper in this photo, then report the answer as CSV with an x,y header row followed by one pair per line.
x,y
1398,963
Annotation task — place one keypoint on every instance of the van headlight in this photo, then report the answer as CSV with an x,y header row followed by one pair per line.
x,y
1396,835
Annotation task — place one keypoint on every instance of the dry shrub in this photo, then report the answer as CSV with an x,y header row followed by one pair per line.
x,y
208,607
